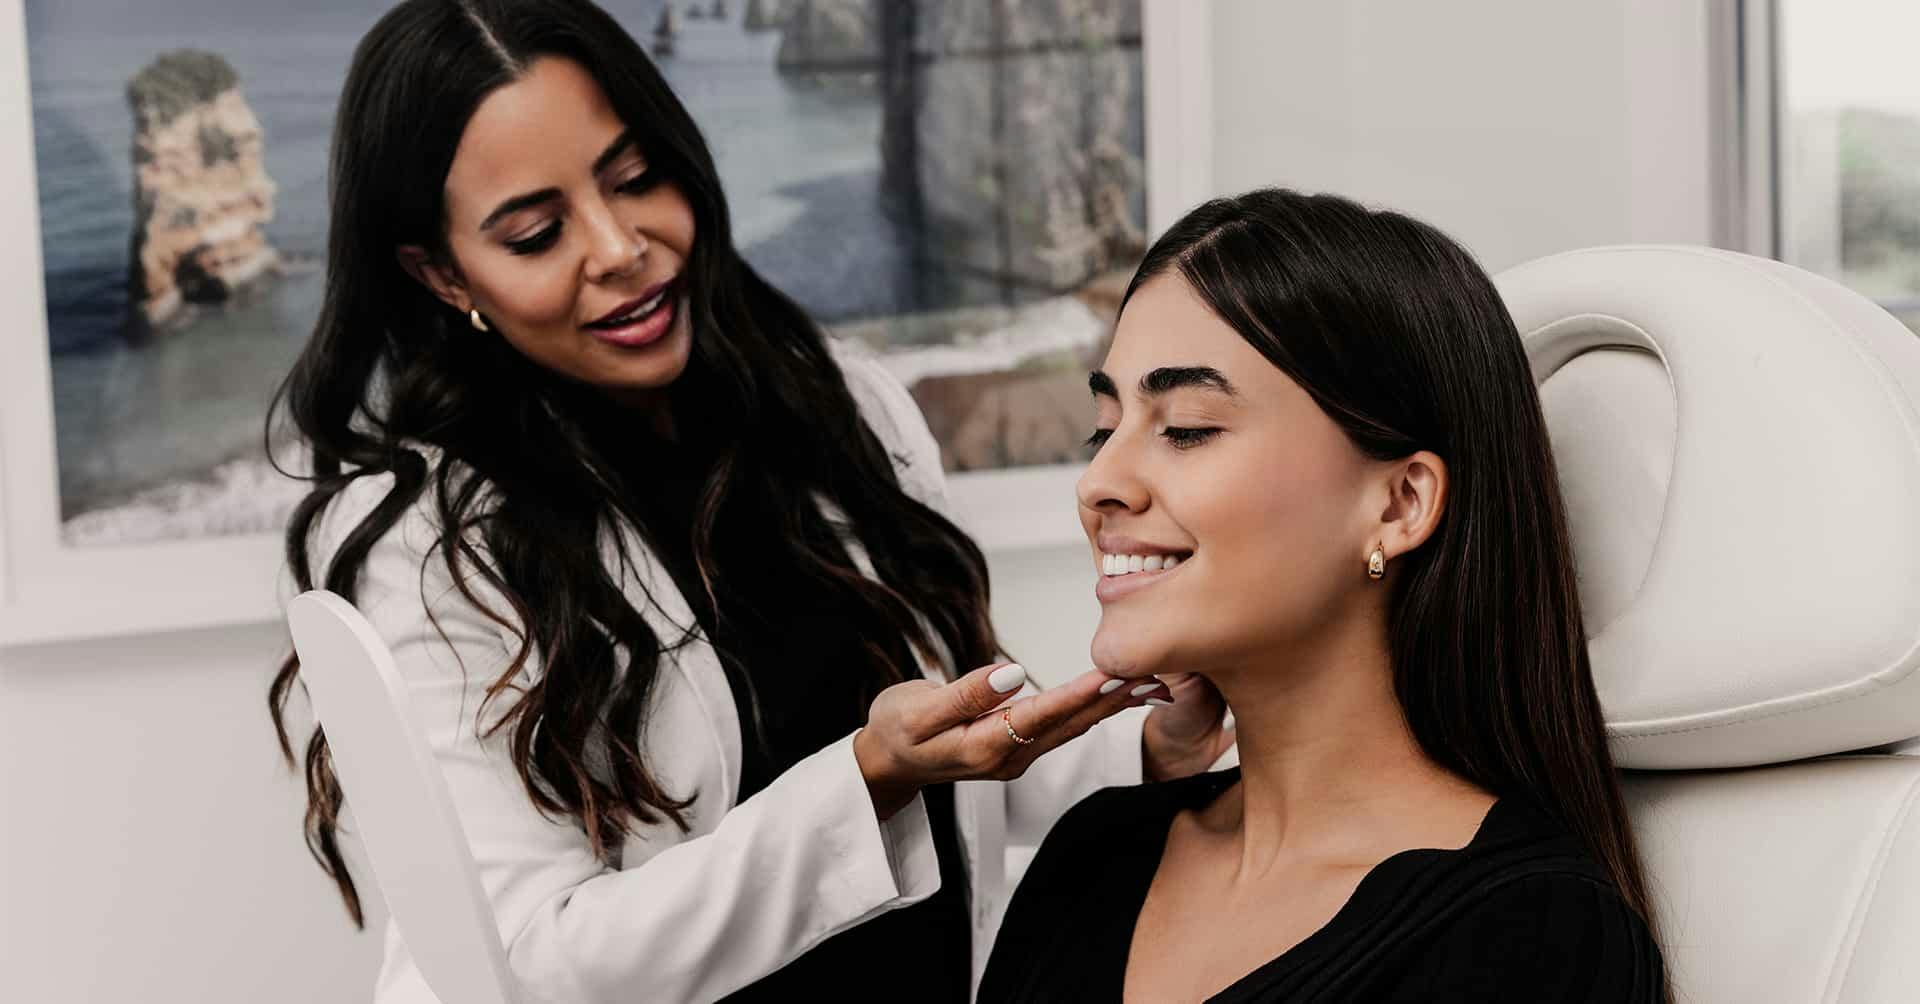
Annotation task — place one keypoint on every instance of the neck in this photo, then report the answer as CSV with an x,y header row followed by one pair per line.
x,y
1328,762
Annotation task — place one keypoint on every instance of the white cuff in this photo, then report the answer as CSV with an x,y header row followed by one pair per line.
x,y
904,842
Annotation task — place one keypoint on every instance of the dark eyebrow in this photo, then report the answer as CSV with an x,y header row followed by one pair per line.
x,y
519,202
1168,378
613,151
1165,379
516,204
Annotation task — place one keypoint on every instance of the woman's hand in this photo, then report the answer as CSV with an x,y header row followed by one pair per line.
x,y
921,732
1188,736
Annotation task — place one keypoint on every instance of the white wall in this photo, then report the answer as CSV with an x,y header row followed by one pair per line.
x,y
149,845
149,840
1520,127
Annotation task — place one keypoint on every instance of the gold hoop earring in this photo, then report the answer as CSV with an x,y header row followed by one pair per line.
x,y
473,317
1377,563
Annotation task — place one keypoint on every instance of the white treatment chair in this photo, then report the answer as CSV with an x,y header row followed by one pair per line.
x,y
398,799
1738,445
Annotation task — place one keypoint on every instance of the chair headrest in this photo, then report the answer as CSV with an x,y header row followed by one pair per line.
x,y
1738,446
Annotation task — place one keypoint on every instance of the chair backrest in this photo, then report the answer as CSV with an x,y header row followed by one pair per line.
x,y
1738,445
399,803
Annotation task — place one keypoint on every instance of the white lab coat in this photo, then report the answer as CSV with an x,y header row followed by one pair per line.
x,y
688,917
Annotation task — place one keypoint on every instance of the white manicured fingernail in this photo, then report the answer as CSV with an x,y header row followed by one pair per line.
x,y
1158,702
1145,689
1007,678
1111,685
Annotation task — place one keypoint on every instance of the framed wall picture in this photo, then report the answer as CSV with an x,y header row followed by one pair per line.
x,y
964,187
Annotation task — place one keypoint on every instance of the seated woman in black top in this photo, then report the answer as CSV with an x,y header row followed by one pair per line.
x,y
1323,482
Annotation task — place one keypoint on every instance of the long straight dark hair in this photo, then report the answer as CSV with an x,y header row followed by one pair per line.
x,y
1403,341
522,492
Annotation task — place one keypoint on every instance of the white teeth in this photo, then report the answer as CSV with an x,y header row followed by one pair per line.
x,y
643,310
1127,564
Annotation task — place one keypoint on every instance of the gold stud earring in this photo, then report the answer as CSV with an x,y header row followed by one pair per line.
x,y
473,317
1376,563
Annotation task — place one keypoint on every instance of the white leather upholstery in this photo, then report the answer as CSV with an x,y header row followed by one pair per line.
x,y
1739,450
1772,533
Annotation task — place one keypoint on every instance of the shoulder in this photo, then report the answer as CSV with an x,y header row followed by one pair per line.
x,y
1526,869
1104,809
890,411
407,554
1107,824
1569,898
1551,933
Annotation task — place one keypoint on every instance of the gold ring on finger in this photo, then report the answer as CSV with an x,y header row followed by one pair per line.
x,y
1007,718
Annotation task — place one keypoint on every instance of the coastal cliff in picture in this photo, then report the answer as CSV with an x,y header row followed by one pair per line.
x,y
201,192
958,185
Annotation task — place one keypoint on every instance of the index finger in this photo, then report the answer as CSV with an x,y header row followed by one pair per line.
x,y
974,695
1041,713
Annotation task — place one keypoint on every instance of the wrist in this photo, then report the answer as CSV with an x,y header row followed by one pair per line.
x,y
888,792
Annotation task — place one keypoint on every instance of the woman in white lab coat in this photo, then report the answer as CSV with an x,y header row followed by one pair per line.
x,y
668,576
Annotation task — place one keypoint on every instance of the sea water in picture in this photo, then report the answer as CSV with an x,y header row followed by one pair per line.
x,y
959,184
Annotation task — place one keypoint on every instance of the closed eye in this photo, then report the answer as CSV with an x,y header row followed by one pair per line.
x,y
1186,439
545,238
540,241
640,183
1179,437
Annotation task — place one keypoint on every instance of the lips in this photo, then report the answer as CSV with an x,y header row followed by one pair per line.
x,y
635,309
1110,588
1128,565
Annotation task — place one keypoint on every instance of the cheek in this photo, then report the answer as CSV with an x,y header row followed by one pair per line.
x,y
666,218
674,224
1276,544
528,297
1271,536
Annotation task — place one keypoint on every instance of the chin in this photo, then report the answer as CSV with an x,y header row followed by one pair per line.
x,y
659,366
1115,654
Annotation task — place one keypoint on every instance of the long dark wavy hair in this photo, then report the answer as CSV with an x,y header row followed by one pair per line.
x,y
524,493
1400,337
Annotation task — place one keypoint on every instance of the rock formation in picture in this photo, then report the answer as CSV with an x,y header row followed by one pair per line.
x,y
201,194
764,15
1011,139
665,31
1026,129
829,36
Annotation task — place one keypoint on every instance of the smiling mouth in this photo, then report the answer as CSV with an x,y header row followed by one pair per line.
x,y
1117,565
637,310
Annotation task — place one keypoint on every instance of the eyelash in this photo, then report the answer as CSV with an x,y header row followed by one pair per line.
x,y
639,184
1180,438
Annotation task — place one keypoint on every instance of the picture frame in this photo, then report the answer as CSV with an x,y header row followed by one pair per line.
x,y
50,592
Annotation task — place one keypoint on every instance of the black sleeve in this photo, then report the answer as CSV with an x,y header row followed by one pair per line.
x,y
1550,937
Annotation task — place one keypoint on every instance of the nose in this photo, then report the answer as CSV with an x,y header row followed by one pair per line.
x,y
1112,483
616,251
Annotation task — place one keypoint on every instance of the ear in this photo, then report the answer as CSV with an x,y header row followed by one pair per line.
x,y
443,279
1416,498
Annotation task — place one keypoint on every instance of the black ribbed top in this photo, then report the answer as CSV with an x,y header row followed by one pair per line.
x,y
790,657
1522,913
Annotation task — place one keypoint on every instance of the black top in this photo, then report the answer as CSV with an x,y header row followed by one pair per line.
x,y
1521,913
788,656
